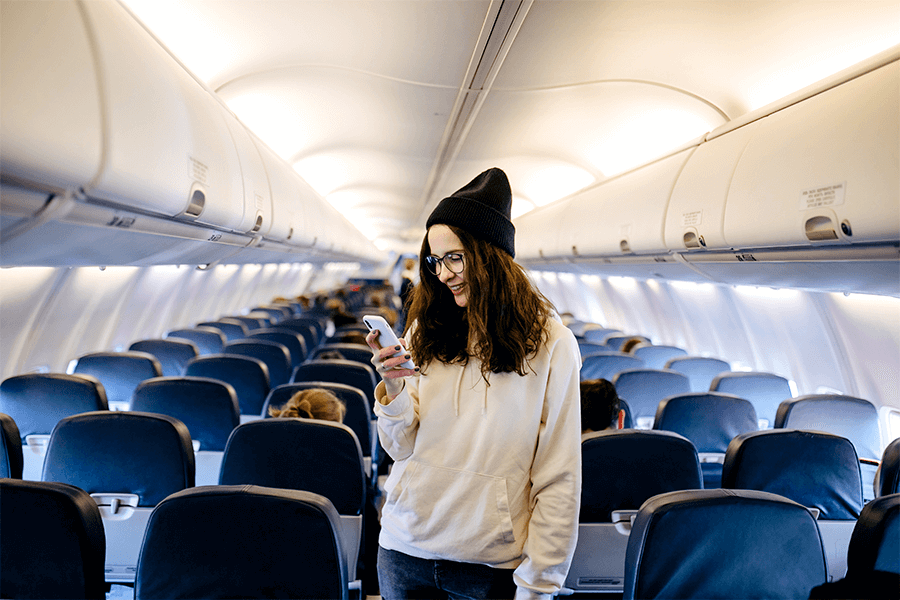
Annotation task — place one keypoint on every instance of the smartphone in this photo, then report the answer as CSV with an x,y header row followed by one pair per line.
x,y
386,336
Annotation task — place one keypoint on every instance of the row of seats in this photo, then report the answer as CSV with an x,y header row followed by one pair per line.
x,y
625,469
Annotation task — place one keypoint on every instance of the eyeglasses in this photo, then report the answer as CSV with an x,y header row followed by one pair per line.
x,y
452,260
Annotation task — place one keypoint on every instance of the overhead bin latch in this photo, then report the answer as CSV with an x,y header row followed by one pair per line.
x,y
196,202
693,239
824,226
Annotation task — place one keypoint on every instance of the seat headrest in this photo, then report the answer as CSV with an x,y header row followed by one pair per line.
x,y
875,543
149,455
11,459
710,420
37,401
301,454
853,418
622,469
242,542
887,478
53,541
208,407
723,544
815,469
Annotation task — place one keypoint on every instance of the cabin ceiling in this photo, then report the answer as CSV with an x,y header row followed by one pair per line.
x,y
387,106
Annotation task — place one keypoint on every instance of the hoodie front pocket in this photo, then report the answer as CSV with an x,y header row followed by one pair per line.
x,y
454,514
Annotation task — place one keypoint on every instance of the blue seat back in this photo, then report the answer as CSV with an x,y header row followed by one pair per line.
x,y
589,348
172,354
119,372
615,341
723,544
354,374
700,370
53,542
597,335
208,407
291,340
887,477
233,330
145,454
207,339
252,323
37,401
656,357
643,389
765,390
242,542
354,352
248,376
622,469
322,457
818,470
607,365
358,416
276,357
11,461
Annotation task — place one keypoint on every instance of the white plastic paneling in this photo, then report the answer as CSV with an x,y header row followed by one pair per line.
x,y
289,218
50,117
538,232
696,215
833,159
167,139
257,198
623,216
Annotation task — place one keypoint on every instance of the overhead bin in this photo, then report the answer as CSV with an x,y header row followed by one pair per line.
x,y
50,109
622,216
289,196
695,219
824,171
168,148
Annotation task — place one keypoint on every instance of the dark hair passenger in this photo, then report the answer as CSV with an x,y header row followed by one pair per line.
x,y
485,432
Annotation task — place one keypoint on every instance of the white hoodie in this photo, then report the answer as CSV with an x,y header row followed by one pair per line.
x,y
488,475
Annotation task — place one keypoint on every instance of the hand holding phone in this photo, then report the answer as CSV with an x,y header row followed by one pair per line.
x,y
386,336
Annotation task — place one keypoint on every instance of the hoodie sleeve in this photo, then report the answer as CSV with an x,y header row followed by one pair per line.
x,y
555,478
398,419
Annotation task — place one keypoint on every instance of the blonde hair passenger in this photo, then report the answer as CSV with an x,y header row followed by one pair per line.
x,y
314,403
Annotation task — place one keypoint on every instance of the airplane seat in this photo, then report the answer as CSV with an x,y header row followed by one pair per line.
x,y
119,372
322,457
355,352
621,469
291,340
248,376
233,330
853,418
358,416
615,341
700,370
358,375
252,323
643,389
607,365
818,470
140,459
38,401
598,334
208,407
172,353
873,558
710,421
765,390
52,543
207,339
590,348
302,326
723,544
11,460
276,356
242,541
887,477
276,313
656,357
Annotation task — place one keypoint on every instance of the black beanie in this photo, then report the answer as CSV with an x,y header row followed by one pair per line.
x,y
481,208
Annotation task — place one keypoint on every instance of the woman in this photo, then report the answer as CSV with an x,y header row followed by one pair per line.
x,y
482,501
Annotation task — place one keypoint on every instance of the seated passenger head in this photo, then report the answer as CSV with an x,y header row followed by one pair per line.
x,y
630,344
599,406
314,403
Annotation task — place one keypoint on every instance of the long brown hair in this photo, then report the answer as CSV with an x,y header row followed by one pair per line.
x,y
503,324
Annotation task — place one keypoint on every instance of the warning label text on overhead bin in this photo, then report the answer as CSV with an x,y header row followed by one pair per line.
x,y
691,218
829,195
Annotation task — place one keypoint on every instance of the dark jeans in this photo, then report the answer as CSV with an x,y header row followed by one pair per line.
x,y
401,576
